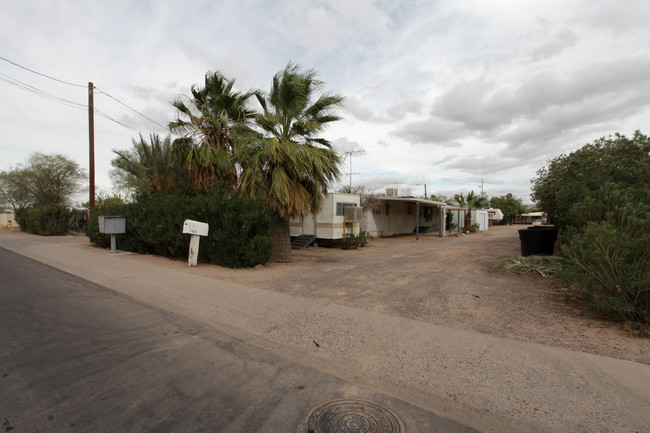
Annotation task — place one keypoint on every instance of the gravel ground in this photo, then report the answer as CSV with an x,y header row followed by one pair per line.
x,y
452,281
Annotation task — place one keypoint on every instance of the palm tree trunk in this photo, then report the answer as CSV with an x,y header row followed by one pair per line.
x,y
281,236
468,220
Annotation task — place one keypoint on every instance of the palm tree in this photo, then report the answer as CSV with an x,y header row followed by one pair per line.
x,y
209,122
147,167
471,201
291,165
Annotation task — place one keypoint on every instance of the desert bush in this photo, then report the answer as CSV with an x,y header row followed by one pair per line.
x,y
570,179
51,220
599,197
107,207
239,234
608,256
350,240
20,215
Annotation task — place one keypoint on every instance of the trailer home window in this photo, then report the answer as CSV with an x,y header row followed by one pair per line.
x,y
341,206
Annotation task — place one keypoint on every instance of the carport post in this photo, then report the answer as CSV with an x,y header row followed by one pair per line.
x,y
417,222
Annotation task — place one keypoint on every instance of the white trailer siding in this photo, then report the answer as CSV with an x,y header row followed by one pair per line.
x,y
480,217
397,216
457,218
329,223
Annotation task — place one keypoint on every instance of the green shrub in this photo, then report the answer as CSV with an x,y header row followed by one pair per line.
x,y
108,207
364,238
570,179
20,215
599,197
51,220
240,231
155,224
608,257
350,240
239,234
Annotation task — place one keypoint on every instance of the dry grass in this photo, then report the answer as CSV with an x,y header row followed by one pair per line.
x,y
545,266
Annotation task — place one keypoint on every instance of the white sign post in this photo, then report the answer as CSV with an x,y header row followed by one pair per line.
x,y
195,229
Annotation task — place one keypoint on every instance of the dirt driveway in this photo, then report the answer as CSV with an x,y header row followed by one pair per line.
x,y
451,281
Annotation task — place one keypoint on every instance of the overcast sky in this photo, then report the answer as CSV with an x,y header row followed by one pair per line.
x,y
442,93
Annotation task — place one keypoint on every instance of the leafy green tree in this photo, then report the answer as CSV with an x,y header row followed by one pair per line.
x,y
149,167
14,188
44,180
471,201
569,179
210,121
509,205
292,164
599,196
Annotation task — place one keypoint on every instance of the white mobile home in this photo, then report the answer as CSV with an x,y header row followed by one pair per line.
x,y
531,218
405,215
495,216
341,214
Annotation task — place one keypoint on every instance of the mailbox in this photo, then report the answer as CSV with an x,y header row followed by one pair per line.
x,y
195,228
112,225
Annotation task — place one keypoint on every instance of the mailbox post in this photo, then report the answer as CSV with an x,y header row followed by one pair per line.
x,y
195,229
112,225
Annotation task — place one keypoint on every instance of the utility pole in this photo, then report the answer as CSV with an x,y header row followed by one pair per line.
x,y
425,188
350,152
482,192
91,141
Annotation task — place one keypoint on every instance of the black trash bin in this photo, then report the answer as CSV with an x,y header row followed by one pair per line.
x,y
538,240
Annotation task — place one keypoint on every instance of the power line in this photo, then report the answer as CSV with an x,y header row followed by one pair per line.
x,y
34,90
60,100
106,116
43,94
133,109
54,98
41,74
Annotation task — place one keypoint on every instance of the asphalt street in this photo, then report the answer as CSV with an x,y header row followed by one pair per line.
x,y
76,356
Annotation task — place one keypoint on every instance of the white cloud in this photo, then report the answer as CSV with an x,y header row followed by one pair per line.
x,y
437,92
433,131
562,41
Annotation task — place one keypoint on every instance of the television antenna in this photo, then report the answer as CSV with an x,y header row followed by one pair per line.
x,y
350,152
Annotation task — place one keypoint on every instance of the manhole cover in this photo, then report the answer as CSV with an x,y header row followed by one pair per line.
x,y
353,416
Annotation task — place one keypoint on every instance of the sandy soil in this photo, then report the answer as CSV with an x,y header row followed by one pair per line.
x,y
453,281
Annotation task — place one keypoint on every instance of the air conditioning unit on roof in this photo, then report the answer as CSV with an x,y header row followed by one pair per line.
x,y
391,192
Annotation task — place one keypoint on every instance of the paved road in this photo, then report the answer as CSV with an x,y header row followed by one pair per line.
x,y
492,384
75,356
